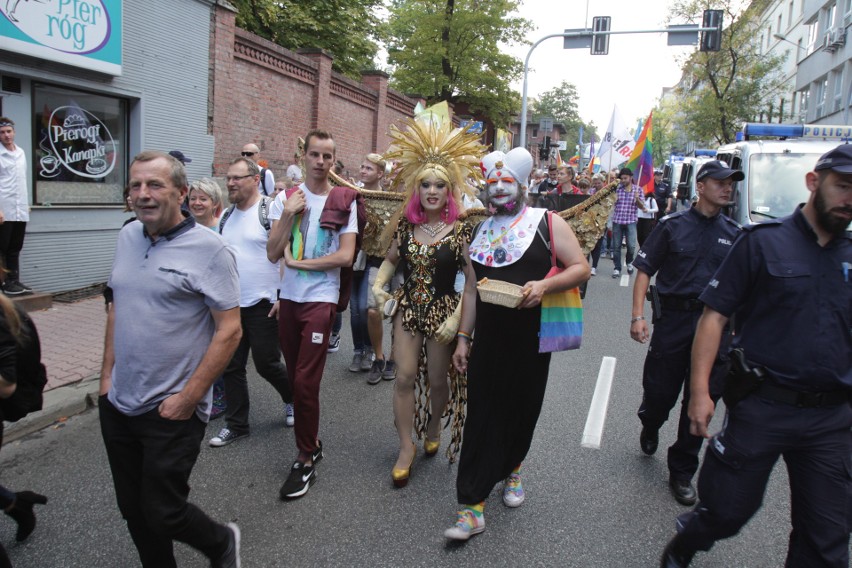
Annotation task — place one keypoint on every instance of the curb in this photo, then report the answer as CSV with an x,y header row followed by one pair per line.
x,y
59,403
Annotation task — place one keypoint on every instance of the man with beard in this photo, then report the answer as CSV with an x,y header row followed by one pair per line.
x,y
788,284
505,393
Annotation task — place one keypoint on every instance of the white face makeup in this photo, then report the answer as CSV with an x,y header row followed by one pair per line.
x,y
504,196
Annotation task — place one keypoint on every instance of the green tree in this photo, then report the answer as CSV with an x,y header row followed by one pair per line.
x,y
348,29
561,104
723,89
449,50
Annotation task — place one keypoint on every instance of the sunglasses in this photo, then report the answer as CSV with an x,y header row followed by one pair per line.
x,y
247,154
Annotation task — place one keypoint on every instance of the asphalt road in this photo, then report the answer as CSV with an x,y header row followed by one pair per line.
x,y
585,507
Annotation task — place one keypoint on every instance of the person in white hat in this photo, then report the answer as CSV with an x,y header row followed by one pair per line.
x,y
506,381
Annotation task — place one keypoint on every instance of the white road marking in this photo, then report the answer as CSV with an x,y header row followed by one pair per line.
x,y
597,410
625,280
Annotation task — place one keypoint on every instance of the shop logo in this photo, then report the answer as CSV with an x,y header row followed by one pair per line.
x,y
71,26
81,143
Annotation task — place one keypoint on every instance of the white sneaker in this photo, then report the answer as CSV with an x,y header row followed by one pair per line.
x,y
290,416
594,271
616,273
467,524
513,491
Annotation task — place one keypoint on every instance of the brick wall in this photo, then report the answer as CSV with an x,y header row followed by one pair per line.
x,y
271,96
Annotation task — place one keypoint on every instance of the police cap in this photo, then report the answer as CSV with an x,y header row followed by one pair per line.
x,y
839,160
718,170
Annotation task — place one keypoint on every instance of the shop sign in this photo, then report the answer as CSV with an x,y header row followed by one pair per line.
x,y
83,33
80,143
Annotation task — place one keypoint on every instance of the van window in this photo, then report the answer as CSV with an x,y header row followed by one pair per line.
x,y
776,183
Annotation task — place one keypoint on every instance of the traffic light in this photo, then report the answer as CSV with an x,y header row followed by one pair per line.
x,y
543,153
600,43
712,41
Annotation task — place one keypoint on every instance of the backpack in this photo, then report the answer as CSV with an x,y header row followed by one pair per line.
x,y
31,375
263,181
262,214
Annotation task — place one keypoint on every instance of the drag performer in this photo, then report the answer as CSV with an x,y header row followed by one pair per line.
x,y
433,163
506,374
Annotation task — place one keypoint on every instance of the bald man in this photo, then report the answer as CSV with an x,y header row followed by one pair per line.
x,y
266,185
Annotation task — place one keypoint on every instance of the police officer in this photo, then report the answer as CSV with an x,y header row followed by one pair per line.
x,y
683,250
788,283
662,193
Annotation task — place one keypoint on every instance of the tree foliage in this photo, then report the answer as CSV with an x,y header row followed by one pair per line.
x,y
723,89
449,50
561,104
346,28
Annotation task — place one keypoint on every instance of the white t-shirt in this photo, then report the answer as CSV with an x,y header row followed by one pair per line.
x,y
270,183
14,196
247,238
307,285
650,206
295,173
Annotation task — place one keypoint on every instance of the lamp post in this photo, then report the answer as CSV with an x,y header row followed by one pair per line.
x,y
779,37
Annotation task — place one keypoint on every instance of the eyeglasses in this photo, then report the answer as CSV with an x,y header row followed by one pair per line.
x,y
247,154
237,178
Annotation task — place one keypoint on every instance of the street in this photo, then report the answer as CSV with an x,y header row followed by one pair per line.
x,y
585,507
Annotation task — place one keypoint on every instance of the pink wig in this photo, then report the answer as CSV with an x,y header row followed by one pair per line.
x,y
415,213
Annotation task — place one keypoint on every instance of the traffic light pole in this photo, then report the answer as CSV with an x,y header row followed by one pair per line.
x,y
679,30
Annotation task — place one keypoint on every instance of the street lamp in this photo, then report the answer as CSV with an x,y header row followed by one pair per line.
x,y
783,38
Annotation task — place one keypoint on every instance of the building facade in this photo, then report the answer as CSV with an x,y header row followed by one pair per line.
x,y
90,83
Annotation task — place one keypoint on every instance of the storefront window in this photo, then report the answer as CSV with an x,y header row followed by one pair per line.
x,y
80,147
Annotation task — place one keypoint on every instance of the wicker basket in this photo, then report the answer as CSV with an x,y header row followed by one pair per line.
x,y
500,293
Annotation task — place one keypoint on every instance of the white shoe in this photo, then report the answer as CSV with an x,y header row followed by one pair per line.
x,y
467,525
290,416
615,273
594,271
513,491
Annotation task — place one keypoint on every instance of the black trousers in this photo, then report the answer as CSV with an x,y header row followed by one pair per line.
x,y
151,459
816,444
11,242
666,374
260,336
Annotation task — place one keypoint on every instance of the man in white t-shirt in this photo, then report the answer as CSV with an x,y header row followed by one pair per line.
x,y
315,235
243,229
265,181
14,208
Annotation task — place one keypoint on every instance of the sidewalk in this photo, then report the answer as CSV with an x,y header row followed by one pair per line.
x,y
72,338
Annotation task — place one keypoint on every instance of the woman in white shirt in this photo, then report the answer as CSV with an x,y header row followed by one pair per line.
x,y
646,219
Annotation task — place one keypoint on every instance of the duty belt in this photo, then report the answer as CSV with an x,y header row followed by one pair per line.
x,y
802,399
682,304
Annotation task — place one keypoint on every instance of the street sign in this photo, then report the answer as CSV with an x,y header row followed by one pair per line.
x,y
474,127
682,34
545,124
562,145
579,38
712,41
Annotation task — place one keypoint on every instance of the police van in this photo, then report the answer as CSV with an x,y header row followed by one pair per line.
x,y
775,159
686,191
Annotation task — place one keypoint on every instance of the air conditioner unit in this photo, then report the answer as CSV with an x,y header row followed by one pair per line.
x,y
838,36
833,39
10,85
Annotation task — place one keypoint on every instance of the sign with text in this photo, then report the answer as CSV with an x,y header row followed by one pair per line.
x,y
82,33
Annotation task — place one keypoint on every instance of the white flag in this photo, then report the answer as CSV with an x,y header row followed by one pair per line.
x,y
617,143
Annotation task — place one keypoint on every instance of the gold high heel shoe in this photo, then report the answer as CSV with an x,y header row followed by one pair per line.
x,y
400,476
431,448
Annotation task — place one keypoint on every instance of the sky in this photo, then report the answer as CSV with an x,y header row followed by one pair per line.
x,y
632,75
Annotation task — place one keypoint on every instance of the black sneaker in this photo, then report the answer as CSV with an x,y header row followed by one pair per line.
x,y
231,557
334,343
15,288
316,455
299,481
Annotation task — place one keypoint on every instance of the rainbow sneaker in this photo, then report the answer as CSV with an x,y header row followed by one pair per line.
x,y
468,523
513,491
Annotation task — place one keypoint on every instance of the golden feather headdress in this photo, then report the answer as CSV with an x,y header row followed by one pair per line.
x,y
452,152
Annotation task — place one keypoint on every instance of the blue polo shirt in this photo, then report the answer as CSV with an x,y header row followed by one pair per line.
x,y
792,300
684,250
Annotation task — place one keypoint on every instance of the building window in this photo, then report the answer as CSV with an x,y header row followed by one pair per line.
x,y
837,98
819,96
790,15
830,16
847,12
80,147
779,23
804,96
812,34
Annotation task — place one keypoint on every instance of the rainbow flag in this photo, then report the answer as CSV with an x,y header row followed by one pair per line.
x,y
641,160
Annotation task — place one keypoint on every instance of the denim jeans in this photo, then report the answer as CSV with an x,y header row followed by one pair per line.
x,y
260,336
619,231
358,310
151,459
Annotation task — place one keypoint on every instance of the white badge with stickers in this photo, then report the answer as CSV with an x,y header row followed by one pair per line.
x,y
316,338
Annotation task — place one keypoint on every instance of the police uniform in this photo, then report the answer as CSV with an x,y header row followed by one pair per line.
x,y
793,304
662,193
683,250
